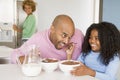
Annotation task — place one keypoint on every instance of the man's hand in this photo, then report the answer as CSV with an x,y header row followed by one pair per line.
x,y
69,50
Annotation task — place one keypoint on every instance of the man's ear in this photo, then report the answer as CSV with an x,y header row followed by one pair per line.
x,y
52,28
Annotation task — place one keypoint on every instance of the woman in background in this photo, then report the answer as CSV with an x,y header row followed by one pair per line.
x,y
29,25
100,52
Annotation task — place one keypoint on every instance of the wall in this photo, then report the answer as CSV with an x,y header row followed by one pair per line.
x,y
111,11
7,11
83,12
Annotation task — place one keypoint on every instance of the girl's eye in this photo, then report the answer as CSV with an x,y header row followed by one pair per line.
x,y
90,37
96,38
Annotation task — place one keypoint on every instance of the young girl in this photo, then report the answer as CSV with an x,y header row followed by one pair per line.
x,y
100,52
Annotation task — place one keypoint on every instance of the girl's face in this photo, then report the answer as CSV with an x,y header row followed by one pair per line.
x,y
94,41
27,9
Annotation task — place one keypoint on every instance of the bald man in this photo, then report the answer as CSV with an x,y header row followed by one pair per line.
x,y
54,42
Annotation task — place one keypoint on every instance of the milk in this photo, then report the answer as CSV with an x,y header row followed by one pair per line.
x,y
31,69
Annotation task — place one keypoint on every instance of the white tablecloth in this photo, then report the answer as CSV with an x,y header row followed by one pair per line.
x,y
13,72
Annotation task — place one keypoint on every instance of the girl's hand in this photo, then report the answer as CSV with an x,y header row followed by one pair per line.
x,y
83,70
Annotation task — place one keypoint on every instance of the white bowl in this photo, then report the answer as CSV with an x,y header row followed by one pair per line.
x,y
49,64
66,68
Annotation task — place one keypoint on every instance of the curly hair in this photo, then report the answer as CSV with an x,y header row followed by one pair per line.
x,y
30,3
109,38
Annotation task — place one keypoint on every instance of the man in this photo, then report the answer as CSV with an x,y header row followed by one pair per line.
x,y
54,42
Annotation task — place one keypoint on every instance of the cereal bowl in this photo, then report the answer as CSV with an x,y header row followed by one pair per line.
x,y
67,65
49,64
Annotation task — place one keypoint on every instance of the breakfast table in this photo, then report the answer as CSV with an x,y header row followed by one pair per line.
x,y
14,72
10,71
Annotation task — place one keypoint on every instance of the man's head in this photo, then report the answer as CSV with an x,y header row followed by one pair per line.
x,y
62,29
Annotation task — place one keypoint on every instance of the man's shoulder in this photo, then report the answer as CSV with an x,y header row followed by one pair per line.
x,y
78,32
42,33
78,36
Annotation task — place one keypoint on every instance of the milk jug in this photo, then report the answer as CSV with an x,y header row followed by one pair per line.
x,y
31,65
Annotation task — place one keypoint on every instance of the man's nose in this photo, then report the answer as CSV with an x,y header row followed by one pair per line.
x,y
66,40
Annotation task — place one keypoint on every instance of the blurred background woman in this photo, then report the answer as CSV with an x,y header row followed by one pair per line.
x,y
29,25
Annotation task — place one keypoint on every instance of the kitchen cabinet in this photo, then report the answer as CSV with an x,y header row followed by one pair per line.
x,y
7,19
7,35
